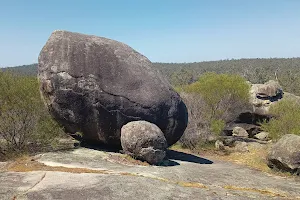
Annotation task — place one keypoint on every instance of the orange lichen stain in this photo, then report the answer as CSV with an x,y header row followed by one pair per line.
x,y
25,164
192,184
261,191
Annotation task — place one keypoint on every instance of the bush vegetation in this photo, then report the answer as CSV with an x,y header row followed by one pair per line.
x,y
213,101
25,125
285,70
219,94
260,70
286,119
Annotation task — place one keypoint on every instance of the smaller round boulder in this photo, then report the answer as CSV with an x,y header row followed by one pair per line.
x,y
144,140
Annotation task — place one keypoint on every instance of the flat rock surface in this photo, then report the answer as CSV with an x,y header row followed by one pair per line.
x,y
184,176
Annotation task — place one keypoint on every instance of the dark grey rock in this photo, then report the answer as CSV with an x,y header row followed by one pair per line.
x,y
144,140
285,154
230,140
251,129
96,85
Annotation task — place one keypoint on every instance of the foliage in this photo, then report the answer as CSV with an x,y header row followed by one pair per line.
x,y
182,77
24,122
222,93
212,101
286,119
198,127
285,70
217,126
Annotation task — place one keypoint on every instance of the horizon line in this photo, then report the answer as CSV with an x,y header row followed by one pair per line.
x,y
203,61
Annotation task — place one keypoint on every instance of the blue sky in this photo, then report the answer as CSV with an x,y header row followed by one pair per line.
x,y
163,30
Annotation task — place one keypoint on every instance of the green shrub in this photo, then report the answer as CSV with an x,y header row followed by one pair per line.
x,y
286,119
212,101
25,124
182,77
224,94
217,126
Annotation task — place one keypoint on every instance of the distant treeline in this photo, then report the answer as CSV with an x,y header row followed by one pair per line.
x,y
27,70
285,70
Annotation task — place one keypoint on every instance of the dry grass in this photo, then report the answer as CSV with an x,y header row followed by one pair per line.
x,y
192,184
126,160
255,158
261,191
27,164
176,146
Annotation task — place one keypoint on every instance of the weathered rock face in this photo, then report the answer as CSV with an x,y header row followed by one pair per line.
x,y
262,96
241,147
285,154
144,141
269,89
96,85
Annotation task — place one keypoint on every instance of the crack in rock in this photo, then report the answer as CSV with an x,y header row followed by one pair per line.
x,y
265,192
25,192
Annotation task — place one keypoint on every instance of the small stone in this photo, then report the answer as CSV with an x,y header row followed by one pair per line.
x,y
239,132
241,147
262,136
219,145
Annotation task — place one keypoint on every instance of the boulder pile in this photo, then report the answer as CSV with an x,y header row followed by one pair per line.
x,y
246,128
245,131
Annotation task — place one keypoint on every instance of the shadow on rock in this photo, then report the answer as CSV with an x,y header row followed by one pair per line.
x,y
102,147
171,158
168,163
180,156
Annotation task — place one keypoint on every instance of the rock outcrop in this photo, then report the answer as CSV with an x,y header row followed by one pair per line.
x,y
262,96
251,129
285,154
144,140
96,85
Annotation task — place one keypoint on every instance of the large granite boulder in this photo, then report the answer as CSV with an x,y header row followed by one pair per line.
x,y
144,140
95,85
285,154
